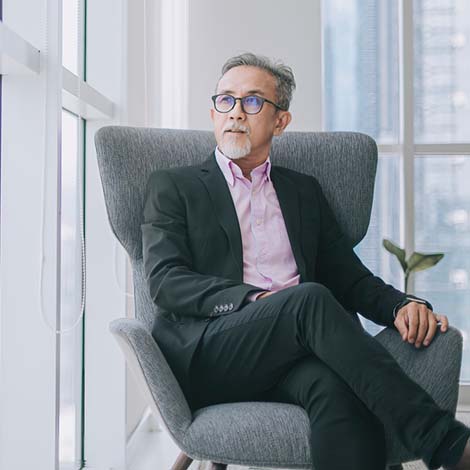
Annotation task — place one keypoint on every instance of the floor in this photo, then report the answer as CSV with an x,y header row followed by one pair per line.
x,y
156,451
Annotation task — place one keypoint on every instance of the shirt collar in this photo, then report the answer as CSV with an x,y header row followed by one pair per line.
x,y
231,170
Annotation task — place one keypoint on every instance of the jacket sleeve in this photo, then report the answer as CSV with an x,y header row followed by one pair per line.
x,y
340,269
168,265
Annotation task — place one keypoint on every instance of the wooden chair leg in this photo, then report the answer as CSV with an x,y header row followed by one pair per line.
x,y
182,462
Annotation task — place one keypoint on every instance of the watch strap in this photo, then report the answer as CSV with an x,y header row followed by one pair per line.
x,y
410,298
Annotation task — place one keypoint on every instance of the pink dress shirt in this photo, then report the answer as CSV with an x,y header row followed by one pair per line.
x,y
268,262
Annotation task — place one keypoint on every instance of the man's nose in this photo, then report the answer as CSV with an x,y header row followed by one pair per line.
x,y
237,111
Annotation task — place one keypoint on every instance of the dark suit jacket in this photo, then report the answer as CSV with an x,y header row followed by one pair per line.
x,y
193,260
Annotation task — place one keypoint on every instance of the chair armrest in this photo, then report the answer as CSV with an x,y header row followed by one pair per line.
x,y
436,368
154,375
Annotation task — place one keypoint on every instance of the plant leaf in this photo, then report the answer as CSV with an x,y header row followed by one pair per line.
x,y
422,261
397,251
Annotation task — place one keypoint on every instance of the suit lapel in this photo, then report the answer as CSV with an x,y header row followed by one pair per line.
x,y
216,186
289,201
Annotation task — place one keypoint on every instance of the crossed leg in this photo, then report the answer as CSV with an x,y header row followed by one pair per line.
x,y
345,435
301,344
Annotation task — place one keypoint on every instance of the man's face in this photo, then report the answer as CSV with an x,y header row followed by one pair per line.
x,y
255,131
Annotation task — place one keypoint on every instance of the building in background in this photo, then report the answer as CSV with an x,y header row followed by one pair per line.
x,y
362,94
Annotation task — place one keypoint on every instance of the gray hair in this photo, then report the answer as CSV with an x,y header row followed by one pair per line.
x,y
285,82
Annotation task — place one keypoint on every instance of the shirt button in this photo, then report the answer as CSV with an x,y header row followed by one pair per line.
x,y
259,221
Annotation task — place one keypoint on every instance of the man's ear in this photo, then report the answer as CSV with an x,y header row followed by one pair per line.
x,y
212,110
282,122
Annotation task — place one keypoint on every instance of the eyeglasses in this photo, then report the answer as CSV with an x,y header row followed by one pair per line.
x,y
251,104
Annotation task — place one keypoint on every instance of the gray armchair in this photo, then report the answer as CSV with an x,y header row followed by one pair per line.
x,y
260,434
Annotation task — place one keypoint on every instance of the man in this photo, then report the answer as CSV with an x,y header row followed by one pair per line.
x,y
252,277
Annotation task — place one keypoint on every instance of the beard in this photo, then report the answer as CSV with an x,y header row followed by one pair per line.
x,y
233,149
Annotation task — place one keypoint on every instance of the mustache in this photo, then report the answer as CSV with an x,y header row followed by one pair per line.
x,y
238,127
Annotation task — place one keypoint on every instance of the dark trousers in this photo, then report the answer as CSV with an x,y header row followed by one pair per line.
x,y
300,346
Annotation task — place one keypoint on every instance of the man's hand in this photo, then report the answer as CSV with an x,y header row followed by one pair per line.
x,y
264,294
415,321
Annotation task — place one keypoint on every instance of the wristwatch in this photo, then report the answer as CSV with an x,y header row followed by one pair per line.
x,y
410,298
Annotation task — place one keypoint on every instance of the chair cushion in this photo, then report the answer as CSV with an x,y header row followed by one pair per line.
x,y
251,433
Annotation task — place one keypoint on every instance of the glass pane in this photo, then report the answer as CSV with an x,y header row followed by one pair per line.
x,y
361,85
442,68
70,35
384,223
442,213
71,287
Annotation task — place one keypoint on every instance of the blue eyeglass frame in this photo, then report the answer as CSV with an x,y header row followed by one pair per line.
x,y
214,98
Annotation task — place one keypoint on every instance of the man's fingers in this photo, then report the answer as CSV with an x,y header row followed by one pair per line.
x,y
415,322
432,328
444,322
413,319
402,327
423,324
264,294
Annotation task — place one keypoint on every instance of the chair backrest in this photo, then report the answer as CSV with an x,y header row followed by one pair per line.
x,y
343,162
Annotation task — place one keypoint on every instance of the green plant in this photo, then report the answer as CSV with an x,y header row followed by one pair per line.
x,y
416,262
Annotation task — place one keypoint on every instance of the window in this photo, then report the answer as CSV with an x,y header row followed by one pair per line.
x,y
362,93
442,65
361,68
442,211
72,285
47,111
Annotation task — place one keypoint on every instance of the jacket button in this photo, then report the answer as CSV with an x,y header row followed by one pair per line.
x,y
225,307
216,309
230,306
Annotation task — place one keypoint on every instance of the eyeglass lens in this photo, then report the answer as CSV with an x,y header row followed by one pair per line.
x,y
251,104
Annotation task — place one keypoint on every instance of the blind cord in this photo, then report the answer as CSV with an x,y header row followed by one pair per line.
x,y
79,177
